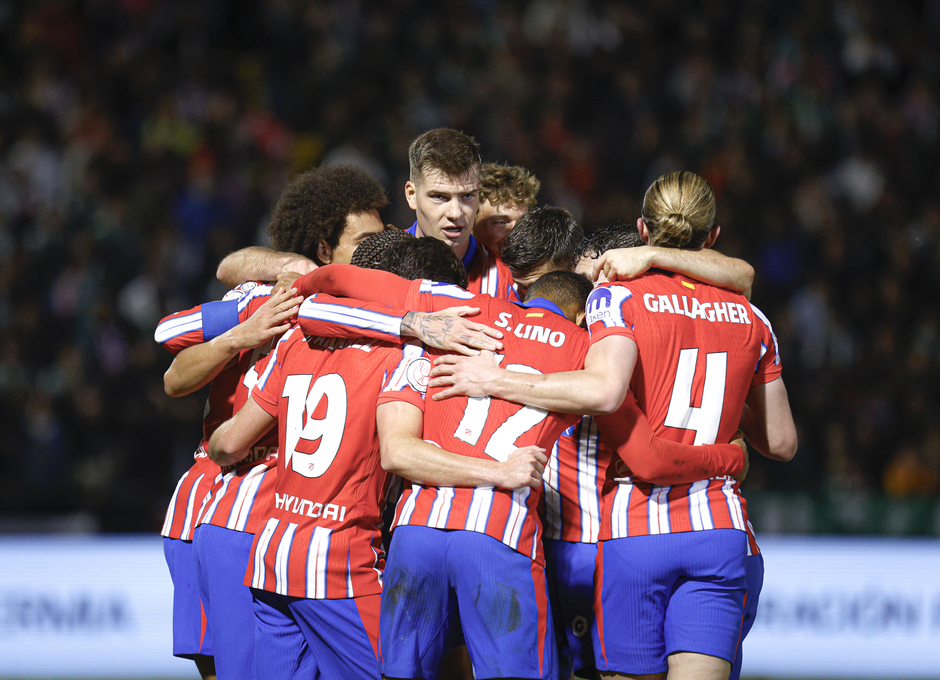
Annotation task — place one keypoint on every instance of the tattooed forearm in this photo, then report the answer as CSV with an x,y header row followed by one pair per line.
x,y
431,329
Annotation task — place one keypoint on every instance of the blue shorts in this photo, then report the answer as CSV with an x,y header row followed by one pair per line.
x,y
436,578
754,573
297,637
221,560
192,635
668,593
569,568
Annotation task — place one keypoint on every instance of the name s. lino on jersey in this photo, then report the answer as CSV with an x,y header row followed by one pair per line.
x,y
527,331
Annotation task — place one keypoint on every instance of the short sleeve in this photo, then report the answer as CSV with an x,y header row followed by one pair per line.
x,y
769,367
408,378
609,311
267,391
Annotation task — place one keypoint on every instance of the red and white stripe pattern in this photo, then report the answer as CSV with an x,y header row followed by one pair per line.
x,y
699,352
187,500
300,561
510,517
321,536
489,276
640,509
573,482
239,499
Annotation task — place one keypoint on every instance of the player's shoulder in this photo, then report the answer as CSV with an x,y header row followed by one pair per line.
x,y
442,290
248,290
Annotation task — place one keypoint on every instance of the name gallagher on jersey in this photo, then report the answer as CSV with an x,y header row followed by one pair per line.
x,y
728,312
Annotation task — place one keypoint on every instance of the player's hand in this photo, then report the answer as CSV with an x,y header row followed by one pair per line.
x,y
739,440
450,330
524,468
271,320
464,376
621,264
301,266
286,280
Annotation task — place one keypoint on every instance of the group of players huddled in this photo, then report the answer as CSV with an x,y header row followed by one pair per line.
x,y
487,446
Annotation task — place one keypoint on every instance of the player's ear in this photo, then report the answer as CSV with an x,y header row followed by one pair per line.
x,y
712,236
643,230
411,191
579,321
324,252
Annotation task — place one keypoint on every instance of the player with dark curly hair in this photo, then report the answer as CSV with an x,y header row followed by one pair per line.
x,y
320,218
372,253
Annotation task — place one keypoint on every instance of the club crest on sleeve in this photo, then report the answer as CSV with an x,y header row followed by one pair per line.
x,y
418,374
239,291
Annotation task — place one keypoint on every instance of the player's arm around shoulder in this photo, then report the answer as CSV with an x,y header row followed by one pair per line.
x,y
196,366
233,439
597,389
256,263
405,453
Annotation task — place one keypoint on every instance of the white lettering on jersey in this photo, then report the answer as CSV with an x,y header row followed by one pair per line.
x,y
727,312
302,402
304,506
541,334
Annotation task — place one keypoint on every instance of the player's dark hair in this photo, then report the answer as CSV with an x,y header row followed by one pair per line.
x,y
564,288
427,258
609,238
449,151
373,251
544,235
411,258
315,205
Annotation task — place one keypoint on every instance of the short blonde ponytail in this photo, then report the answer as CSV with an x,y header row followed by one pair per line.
x,y
679,210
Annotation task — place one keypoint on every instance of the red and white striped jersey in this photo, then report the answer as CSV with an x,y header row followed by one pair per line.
x,y
186,501
229,390
239,498
573,481
700,349
537,339
486,272
234,496
577,511
322,537
488,275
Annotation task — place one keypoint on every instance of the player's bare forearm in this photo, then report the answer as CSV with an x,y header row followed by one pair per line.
x,y
597,389
219,446
707,265
449,330
406,454
196,366
259,264
767,421
233,439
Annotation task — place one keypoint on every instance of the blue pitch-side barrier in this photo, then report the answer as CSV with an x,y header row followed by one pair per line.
x,y
831,607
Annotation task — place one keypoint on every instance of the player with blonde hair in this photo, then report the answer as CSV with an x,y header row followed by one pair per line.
x,y
507,192
671,566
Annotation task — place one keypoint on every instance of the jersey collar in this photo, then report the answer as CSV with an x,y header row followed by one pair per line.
x,y
542,303
467,259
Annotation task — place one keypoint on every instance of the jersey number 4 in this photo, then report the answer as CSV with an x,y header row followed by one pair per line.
x,y
302,398
502,442
705,419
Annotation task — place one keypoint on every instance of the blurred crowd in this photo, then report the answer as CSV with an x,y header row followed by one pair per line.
x,y
142,140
